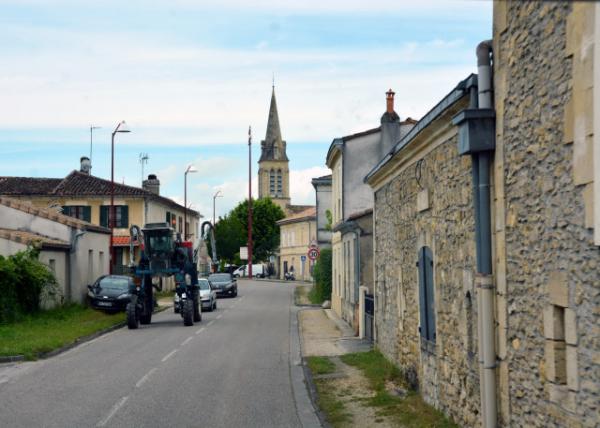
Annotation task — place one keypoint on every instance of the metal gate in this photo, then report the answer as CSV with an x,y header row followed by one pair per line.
x,y
369,315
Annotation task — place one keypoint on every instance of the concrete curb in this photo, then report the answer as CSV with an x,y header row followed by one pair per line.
x,y
77,342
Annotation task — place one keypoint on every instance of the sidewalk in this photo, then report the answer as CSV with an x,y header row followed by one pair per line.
x,y
323,333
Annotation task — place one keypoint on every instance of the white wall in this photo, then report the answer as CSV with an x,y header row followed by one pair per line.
x,y
12,218
85,269
360,156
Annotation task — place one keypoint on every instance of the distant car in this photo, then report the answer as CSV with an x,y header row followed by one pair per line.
x,y
224,283
258,271
208,295
110,292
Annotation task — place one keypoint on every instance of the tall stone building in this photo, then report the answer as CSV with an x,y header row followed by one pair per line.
x,y
273,169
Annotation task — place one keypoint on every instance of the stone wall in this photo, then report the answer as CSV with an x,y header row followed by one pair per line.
x,y
543,77
435,211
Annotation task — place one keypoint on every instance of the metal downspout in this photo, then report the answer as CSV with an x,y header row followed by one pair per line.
x,y
484,277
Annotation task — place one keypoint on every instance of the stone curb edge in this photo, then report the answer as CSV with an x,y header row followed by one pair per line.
x,y
310,383
78,341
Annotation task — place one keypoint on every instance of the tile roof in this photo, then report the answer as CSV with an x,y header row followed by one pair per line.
x,y
78,184
51,214
307,214
27,238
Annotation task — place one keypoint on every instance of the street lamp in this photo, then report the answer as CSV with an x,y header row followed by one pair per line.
x,y
121,127
190,168
215,196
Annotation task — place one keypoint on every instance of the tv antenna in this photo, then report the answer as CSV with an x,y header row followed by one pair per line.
x,y
143,160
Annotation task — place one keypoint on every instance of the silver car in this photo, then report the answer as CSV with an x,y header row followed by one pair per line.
x,y
208,295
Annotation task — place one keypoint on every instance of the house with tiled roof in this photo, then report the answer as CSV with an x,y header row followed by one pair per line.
x,y
296,233
87,197
76,251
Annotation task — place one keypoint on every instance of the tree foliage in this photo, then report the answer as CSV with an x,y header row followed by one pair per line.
x,y
322,276
231,232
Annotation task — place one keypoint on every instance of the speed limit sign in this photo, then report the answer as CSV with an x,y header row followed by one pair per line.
x,y
313,253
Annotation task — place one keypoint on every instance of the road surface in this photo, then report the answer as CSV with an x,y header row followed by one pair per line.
x,y
237,368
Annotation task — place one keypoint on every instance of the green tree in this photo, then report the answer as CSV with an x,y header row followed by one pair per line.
x,y
322,276
231,232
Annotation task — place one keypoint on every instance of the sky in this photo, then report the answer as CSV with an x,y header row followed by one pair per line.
x,y
189,78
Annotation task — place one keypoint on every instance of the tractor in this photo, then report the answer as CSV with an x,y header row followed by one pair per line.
x,y
163,254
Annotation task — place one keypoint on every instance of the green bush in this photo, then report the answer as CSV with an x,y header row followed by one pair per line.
x,y
22,279
322,277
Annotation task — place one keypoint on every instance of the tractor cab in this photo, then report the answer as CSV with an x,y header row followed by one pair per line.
x,y
159,246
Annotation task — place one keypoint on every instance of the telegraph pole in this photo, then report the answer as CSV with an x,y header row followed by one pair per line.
x,y
250,202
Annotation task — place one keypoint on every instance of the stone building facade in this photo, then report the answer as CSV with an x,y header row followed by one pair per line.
x,y
547,158
296,233
423,199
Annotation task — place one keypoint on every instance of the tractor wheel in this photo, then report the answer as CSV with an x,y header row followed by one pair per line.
x,y
132,319
188,312
196,299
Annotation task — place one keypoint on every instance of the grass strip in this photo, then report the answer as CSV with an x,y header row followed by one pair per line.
x,y
48,330
320,365
409,410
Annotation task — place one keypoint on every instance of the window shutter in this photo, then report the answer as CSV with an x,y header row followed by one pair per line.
x,y
428,256
66,210
104,215
124,216
168,218
87,213
422,294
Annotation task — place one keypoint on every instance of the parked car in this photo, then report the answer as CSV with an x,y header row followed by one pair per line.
x,y
208,295
224,283
258,270
110,292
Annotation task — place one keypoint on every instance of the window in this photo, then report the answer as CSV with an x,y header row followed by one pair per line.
x,y
279,183
81,212
121,216
180,224
426,296
272,182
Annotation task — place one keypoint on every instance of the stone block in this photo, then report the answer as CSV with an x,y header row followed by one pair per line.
x,y
568,122
558,289
556,367
572,367
423,200
570,327
557,393
554,323
583,155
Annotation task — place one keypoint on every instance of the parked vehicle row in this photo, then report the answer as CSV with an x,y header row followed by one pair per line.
x,y
258,270
110,293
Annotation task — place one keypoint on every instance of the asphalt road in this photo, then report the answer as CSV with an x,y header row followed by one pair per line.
x,y
239,367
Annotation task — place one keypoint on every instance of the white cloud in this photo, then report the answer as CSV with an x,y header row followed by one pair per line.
x,y
302,191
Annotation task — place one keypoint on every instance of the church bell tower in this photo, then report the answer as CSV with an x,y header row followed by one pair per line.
x,y
273,169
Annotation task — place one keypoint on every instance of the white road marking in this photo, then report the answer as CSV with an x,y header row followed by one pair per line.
x,y
186,341
210,323
112,412
144,378
220,315
200,331
169,355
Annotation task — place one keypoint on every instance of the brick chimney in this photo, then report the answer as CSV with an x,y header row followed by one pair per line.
x,y
389,98
152,184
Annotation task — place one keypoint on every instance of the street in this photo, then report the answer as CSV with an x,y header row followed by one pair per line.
x,y
233,369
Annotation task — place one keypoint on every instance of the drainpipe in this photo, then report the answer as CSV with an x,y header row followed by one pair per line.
x,y
476,137
484,277
357,268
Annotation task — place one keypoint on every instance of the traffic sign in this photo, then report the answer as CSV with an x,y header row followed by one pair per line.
x,y
303,258
313,253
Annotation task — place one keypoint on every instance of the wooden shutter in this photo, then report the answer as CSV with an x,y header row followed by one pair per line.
x,y
104,215
428,268
87,213
422,294
124,216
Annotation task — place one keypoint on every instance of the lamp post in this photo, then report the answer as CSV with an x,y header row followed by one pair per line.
x,y
215,196
190,168
250,202
121,127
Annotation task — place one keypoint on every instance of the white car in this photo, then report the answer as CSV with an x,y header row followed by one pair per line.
x,y
208,296
258,271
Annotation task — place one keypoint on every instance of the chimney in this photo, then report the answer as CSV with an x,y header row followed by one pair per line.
x,y
152,184
389,98
86,165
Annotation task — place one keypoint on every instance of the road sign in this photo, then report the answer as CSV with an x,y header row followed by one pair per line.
x,y
243,253
313,253
303,258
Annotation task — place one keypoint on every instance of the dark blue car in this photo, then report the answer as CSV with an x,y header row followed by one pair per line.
x,y
110,293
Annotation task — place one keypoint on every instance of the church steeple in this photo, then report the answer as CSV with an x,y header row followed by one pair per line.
x,y
273,170
273,146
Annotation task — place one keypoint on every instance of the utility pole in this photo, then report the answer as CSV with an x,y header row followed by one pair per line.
x,y
92,127
250,202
